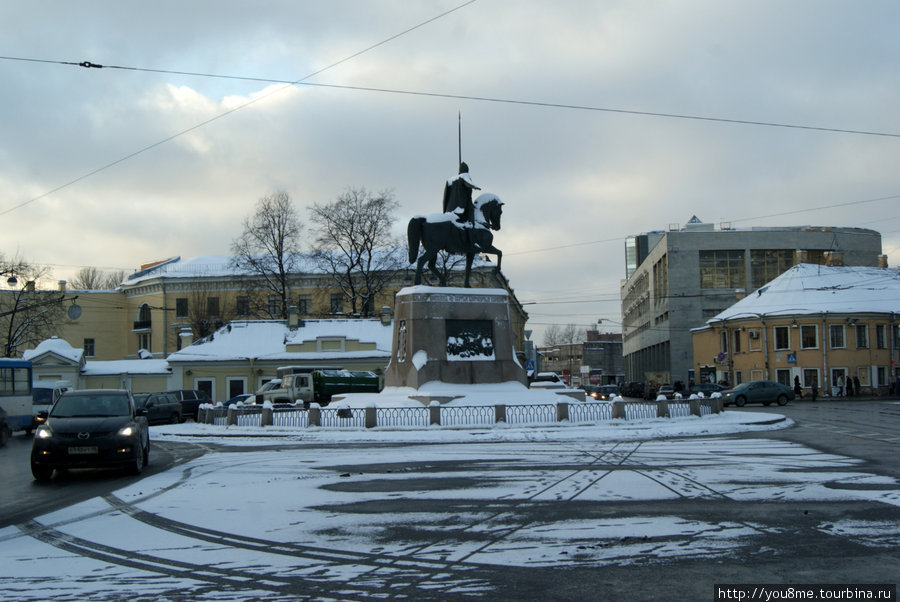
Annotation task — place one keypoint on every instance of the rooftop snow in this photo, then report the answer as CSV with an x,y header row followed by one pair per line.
x,y
816,289
268,340
55,345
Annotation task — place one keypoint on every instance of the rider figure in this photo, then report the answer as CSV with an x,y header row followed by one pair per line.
x,y
458,196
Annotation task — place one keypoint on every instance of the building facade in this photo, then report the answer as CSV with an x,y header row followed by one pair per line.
x,y
817,326
596,361
679,279
164,304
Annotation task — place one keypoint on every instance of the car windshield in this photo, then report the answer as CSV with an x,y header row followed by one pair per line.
x,y
41,395
82,406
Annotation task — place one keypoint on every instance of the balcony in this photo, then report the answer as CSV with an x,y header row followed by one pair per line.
x,y
141,325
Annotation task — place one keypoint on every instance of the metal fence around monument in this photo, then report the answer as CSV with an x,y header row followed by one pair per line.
x,y
679,409
249,416
531,414
467,416
403,416
290,417
587,413
641,411
343,417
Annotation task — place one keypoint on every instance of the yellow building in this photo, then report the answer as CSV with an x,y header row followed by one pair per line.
x,y
822,325
164,300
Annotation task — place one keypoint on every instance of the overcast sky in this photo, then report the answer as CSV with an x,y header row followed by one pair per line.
x,y
575,181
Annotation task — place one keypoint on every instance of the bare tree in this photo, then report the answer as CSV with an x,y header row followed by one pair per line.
x,y
564,335
267,252
206,311
355,246
112,280
27,315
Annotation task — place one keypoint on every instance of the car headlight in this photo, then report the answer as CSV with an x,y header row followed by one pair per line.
x,y
43,432
127,431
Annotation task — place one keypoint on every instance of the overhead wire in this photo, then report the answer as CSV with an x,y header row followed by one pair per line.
x,y
288,85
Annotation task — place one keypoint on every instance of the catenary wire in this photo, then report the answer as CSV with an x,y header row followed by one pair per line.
x,y
287,85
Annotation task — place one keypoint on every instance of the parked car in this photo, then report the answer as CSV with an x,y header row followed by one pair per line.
x,y
706,388
4,428
547,380
190,400
162,408
601,392
243,398
666,390
93,428
633,389
765,392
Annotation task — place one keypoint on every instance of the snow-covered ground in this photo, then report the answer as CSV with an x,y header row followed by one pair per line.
x,y
351,513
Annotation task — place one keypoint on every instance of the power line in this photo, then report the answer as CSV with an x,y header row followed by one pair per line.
x,y
88,64
532,103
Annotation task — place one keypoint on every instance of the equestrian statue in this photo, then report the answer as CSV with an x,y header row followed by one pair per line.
x,y
463,229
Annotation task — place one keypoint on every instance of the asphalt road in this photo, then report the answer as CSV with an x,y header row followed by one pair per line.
x,y
726,533
22,498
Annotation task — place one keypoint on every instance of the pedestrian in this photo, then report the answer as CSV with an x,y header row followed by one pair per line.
x,y
797,390
856,386
815,390
849,387
840,385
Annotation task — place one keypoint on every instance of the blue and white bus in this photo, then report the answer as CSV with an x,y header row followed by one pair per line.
x,y
15,393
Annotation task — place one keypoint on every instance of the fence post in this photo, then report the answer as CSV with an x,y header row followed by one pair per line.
x,y
500,413
266,418
662,409
371,417
695,407
718,405
434,413
315,415
562,411
619,410
230,417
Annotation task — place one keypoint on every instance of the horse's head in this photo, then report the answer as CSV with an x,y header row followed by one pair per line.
x,y
491,208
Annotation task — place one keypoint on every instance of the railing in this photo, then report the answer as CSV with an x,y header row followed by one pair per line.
x,y
574,413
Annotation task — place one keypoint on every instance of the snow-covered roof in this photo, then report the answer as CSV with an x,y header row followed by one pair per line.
x,y
57,346
268,340
116,367
815,289
219,266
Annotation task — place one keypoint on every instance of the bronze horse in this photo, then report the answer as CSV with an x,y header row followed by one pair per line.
x,y
444,233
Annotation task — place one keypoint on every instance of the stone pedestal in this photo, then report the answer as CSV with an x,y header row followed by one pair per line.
x,y
452,335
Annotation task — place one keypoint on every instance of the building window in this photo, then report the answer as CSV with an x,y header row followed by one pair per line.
x,y
661,279
144,341
242,305
782,337
755,338
181,307
274,305
881,336
304,305
89,350
723,342
722,269
212,307
337,303
784,377
738,377
862,336
736,340
810,377
768,264
881,373
836,336
809,336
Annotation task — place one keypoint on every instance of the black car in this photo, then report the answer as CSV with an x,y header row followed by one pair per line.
x,y
162,408
91,429
707,388
190,401
4,428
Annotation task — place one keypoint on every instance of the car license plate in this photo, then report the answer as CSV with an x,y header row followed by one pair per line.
x,y
83,450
